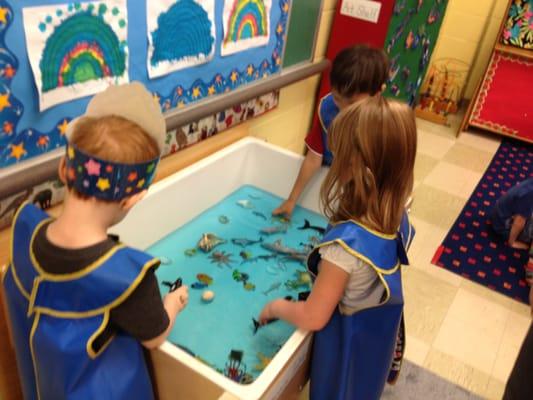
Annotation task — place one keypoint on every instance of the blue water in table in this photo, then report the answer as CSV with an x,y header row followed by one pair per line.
x,y
212,330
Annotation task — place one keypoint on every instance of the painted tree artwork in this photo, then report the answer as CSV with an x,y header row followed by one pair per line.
x,y
76,50
246,25
181,34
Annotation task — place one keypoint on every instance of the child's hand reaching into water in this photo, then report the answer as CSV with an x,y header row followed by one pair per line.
x,y
177,300
266,314
286,208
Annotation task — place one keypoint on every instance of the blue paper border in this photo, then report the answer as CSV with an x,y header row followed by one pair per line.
x,y
17,146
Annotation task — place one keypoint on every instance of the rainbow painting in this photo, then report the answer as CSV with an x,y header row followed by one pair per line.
x,y
76,49
246,25
181,34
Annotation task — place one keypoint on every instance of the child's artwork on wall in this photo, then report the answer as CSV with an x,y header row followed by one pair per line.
x,y
181,34
246,25
76,50
27,132
411,38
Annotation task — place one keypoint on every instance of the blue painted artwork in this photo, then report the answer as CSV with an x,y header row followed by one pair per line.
x,y
184,31
25,132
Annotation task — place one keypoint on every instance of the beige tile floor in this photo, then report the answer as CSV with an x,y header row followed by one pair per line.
x,y
459,330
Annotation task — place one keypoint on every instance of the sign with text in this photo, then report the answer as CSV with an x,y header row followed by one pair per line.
x,y
361,9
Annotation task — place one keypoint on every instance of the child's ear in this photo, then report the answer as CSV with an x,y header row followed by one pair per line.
x,y
128,203
62,170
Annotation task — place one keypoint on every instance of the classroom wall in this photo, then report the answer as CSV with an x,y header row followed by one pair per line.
x,y
468,34
288,125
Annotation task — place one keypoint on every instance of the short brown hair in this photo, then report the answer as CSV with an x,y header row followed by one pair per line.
x,y
359,69
374,146
113,138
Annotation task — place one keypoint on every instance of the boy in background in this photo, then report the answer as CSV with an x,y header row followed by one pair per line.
x,y
356,72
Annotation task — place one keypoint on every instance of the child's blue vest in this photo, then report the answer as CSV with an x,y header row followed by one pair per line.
x,y
327,111
352,355
56,318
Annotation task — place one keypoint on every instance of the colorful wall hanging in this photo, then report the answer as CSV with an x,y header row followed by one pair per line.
x,y
518,30
26,132
76,49
411,38
181,34
246,25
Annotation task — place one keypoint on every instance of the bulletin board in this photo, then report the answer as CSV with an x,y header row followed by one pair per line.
x,y
78,48
411,38
303,27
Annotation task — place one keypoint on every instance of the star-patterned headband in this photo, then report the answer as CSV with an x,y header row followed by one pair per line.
x,y
107,180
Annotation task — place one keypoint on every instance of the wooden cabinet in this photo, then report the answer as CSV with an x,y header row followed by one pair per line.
x,y
503,101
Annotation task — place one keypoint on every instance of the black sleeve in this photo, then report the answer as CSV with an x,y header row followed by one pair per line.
x,y
142,315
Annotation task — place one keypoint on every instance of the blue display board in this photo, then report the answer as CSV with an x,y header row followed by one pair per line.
x,y
26,132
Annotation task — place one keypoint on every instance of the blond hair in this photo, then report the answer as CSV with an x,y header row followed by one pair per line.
x,y
113,138
374,146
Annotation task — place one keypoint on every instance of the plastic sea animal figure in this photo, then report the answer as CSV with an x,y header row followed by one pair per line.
x,y
274,286
281,218
243,242
239,276
271,230
204,278
259,214
190,252
247,379
278,247
199,285
208,296
263,362
314,240
173,285
245,255
272,270
266,257
263,257
249,286
223,219
302,279
245,204
165,260
234,368
307,247
282,266
307,225
300,257
258,325
221,258
209,241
